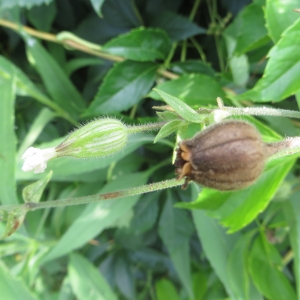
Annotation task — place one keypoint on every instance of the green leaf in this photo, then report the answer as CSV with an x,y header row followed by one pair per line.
x,y
166,290
292,216
175,230
237,209
97,5
168,129
253,33
57,83
217,245
193,66
200,284
65,290
178,27
12,287
34,191
197,90
124,85
264,264
279,16
24,86
96,217
239,65
141,44
28,3
37,126
168,116
282,73
185,111
8,143
77,63
124,277
238,277
86,280
145,213
42,16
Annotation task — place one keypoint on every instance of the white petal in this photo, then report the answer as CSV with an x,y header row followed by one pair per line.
x,y
36,159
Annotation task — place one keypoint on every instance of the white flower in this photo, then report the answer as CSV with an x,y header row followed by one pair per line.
x,y
36,159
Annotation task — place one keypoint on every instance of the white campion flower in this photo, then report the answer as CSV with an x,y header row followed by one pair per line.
x,y
36,159
98,138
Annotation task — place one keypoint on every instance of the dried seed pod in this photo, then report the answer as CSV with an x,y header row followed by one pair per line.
x,y
227,156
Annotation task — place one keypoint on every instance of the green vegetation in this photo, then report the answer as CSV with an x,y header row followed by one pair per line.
x,y
148,74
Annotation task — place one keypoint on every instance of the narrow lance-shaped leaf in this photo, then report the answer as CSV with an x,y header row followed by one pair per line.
x,y
86,280
292,216
57,83
180,107
37,126
175,230
168,129
8,142
25,87
237,268
12,287
217,245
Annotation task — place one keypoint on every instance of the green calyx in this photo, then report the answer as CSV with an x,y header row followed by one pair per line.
x,y
98,138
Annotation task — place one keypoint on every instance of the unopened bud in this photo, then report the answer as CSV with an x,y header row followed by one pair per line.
x,y
98,138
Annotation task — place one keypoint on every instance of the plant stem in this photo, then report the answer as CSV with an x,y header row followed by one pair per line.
x,y
198,48
260,111
145,127
183,51
75,45
289,146
108,196
137,12
194,10
170,55
133,111
212,9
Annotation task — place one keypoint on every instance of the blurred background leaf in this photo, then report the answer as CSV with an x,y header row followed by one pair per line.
x,y
146,247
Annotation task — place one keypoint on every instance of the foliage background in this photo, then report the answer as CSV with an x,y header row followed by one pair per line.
x,y
239,245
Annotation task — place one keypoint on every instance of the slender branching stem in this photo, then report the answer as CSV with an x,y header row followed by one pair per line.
x,y
108,196
73,42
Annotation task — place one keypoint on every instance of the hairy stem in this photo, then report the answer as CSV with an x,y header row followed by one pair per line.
x,y
113,195
145,127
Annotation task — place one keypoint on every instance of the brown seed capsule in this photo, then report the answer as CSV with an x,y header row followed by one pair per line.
x,y
227,156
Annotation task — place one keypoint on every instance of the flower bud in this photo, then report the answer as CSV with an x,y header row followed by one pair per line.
x,y
97,138
227,156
